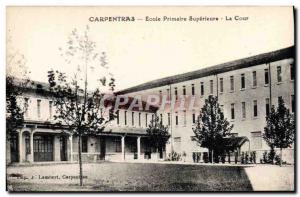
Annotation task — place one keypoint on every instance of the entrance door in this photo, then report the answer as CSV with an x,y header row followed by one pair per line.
x,y
43,147
63,148
102,148
14,144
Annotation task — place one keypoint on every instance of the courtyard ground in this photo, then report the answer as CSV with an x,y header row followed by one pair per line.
x,y
137,177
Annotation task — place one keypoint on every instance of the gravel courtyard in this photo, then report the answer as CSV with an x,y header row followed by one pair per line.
x,y
129,177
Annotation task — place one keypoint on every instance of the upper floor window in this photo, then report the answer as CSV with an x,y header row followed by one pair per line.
x,y
26,105
118,117
221,85
292,71
243,110
193,90
279,78
39,108
50,109
176,93
161,118
266,76
146,120
184,118
232,111
125,117
242,81
132,118
231,83
211,82
139,119
183,90
255,113
202,88
168,93
254,79
169,119
176,118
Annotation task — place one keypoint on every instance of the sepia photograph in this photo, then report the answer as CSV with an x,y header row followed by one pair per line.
x,y
150,99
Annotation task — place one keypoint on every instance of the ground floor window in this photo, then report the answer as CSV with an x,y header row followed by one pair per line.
x,y
256,140
117,142
84,144
43,147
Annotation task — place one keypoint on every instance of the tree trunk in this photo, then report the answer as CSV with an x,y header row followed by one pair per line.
x,y
280,157
80,160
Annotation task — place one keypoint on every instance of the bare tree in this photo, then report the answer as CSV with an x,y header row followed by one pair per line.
x,y
77,107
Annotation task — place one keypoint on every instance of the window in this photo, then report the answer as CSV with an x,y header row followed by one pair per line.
x,y
292,71
117,142
232,111
243,110
183,90
132,118
168,94
242,81
146,119
202,88
50,109
254,79
221,85
193,90
211,82
194,118
256,140
39,108
255,108
139,119
293,103
118,117
222,108
169,119
84,144
26,105
27,144
176,118
231,83
266,76
125,117
267,106
160,93
177,139
161,118
279,78
176,94
184,118
279,98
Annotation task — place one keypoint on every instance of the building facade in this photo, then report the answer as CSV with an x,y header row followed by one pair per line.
x,y
246,90
124,138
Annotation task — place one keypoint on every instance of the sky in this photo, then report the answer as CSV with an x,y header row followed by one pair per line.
x,y
142,50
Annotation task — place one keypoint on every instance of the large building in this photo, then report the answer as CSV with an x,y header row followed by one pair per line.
x,y
246,90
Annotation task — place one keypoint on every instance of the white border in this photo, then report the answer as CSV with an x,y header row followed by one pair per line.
x,y
4,3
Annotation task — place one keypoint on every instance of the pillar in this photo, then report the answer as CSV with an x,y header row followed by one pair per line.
x,y
31,158
123,147
71,147
56,148
20,147
139,147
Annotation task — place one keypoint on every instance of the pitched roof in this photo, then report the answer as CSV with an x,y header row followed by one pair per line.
x,y
217,69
